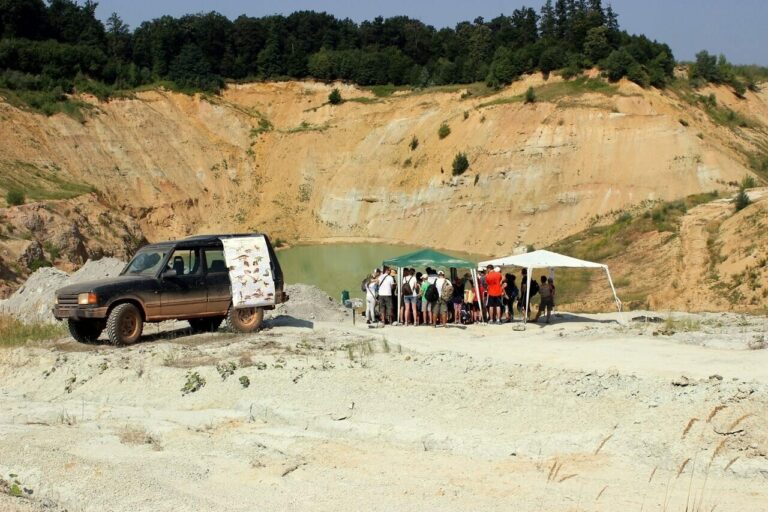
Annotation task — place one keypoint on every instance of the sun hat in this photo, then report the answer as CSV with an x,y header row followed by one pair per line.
x,y
440,273
497,269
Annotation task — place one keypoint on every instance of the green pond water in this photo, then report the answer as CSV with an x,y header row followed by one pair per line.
x,y
337,267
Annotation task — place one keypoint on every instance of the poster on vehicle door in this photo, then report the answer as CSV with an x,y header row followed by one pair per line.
x,y
250,272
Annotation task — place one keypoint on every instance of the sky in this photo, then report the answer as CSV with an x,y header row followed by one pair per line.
x,y
735,28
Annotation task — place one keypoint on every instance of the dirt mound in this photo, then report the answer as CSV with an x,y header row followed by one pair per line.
x,y
310,303
32,303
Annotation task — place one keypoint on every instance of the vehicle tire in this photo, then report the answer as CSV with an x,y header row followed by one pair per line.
x,y
124,324
210,324
245,319
85,331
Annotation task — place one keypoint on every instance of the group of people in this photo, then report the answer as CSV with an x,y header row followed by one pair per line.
x,y
431,298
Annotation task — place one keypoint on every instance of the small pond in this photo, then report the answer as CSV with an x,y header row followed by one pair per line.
x,y
337,267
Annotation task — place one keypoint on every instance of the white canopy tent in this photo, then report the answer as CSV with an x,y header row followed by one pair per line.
x,y
550,260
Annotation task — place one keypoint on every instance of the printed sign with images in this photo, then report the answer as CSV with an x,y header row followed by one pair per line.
x,y
250,272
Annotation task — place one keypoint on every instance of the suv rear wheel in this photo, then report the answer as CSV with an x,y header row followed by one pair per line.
x,y
245,319
124,324
210,324
85,331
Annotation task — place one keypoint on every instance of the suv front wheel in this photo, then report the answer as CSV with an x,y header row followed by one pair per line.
x,y
124,324
85,331
245,319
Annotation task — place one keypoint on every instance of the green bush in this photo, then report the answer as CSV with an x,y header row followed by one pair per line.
x,y
335,97
15,197
414,143
530,95
37,264
460,164
444,131
748,182
742,200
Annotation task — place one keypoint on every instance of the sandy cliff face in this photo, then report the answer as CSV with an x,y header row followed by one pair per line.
x,y
276,157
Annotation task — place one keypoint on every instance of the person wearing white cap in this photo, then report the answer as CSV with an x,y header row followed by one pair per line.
x,y
440,307
495,282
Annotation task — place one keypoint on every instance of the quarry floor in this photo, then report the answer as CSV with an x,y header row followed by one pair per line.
x,y
591,412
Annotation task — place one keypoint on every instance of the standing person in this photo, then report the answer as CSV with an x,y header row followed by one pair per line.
x,y
510,295
410,295
494,281
432,294
477,312
371,296
522,306
469,297
425,308
458,299
419,295
440,306
386,285
547,293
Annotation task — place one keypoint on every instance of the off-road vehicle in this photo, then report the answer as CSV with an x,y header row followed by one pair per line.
x,y
202,279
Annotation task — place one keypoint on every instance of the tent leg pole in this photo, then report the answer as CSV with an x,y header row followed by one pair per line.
x,y
527,304
399,292
613,289
477,292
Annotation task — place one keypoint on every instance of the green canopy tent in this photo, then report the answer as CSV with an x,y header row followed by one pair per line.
x,y
428,257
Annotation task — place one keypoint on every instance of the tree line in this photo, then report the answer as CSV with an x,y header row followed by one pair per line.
x,y
61,46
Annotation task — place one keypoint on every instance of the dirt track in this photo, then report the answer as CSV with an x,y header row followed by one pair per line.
x,y
342,418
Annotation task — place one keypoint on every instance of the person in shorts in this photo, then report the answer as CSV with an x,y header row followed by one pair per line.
x,y
495,282
425,308
410,296
458,299
547,294
511,293
371,296
440,306
386,286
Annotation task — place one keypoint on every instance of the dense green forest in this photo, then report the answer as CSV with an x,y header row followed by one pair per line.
x,y
51,48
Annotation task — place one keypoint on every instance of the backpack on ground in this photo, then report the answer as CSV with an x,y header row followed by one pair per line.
x,y
432,294
447,292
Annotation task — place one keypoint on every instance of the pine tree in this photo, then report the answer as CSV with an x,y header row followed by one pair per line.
x,y
611,19
548,21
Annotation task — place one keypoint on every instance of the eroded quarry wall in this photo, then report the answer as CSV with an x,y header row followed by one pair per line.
x,y
277,157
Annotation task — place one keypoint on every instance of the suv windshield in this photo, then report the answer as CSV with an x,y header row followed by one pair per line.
x,y
146,262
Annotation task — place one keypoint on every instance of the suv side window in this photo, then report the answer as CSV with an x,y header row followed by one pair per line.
x,y
214,261
185,262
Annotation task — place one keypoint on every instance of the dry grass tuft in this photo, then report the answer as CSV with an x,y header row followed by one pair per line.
x,y
652,473
138,436
601,493
714,412
688,427
682,467
738,421
718,449
602,443
567,477
730,463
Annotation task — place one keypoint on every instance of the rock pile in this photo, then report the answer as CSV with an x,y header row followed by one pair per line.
x,y
308,302
32,303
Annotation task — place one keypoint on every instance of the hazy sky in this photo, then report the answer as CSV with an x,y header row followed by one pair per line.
x,y
736,28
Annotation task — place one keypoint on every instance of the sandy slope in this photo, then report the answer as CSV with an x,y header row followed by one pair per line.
x,y
585,414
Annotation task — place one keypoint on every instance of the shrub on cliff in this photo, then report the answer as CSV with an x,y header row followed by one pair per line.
x,y
444,131
742,200
335,97
460,164
14,197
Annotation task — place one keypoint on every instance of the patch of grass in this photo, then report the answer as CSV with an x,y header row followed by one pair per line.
x,y
265,125
138,436
308,127
226,369
47,103
39,184
555,91
384,91
14,332
363,99
245,381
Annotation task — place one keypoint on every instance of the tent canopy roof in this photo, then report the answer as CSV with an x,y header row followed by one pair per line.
x,y
427,257
541,259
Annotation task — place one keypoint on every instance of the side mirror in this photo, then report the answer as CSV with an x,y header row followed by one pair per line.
x,y
169,273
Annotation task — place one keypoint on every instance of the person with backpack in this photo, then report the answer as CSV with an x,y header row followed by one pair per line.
x,y
371,288
444,291
547,292
410,296
431,294
425,308
458,299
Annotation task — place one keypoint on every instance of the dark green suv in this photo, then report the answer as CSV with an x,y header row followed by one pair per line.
x,y
189,279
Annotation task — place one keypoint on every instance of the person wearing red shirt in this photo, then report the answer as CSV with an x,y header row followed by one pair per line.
x,y
494,280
